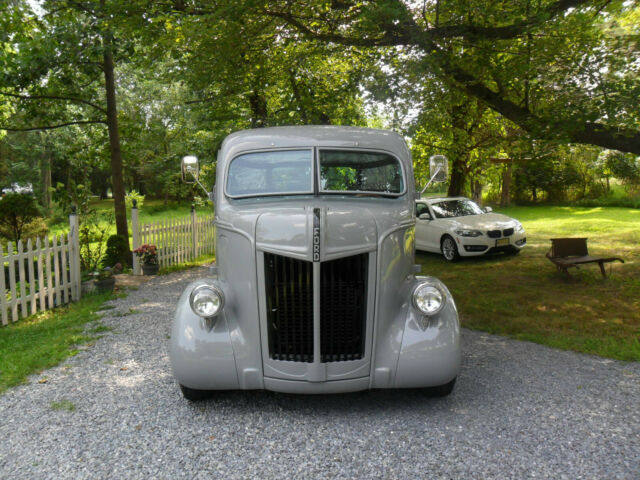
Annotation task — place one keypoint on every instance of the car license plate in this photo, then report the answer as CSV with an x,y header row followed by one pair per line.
x,y
501,242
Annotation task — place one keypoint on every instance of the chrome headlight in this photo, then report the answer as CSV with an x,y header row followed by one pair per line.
x,y
428,298
206,300
519,228
469,233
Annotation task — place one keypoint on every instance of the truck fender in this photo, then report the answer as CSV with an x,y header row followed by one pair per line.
x,y
430,351
200,350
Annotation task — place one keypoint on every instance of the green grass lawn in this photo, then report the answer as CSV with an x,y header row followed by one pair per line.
x,y
151,211
45,339
524,297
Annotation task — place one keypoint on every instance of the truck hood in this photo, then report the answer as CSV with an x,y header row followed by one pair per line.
x,y
291,231
486,221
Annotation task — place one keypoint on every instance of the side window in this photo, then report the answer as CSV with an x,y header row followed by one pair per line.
x,y
421,208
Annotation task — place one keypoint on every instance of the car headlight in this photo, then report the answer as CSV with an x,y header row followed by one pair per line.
x,y
428,298
206,300
519,228
469,233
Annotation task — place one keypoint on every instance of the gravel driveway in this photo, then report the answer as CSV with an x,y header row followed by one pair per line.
x,y
519,410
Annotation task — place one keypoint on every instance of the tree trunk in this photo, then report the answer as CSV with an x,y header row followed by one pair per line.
x,y
476,191
505,198
459,154
114,141
45,175
258,109
324,119
458,177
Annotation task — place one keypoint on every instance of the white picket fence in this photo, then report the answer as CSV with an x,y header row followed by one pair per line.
x,y
51,276
177,240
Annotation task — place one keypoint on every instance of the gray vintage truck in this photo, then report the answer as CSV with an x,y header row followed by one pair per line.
x,y
315,288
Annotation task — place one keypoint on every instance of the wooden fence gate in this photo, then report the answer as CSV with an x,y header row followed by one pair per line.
x,y
177,240
40,276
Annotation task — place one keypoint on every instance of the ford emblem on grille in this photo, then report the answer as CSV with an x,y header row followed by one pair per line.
x,y
316,234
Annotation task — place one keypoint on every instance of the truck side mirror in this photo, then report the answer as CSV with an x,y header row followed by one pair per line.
x,y
488,209
438,171
424,216
438,168
190,169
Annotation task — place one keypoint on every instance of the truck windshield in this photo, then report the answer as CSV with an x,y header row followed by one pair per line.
x,y
360,172
456,208
271,173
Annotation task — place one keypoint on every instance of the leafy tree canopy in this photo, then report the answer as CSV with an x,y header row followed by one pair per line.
x,y
566,70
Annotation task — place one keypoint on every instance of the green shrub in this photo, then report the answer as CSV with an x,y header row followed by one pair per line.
x,y
117,252
36,228
93,230
17,210
627,202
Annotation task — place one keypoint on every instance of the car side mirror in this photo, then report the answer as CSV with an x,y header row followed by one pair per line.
x,y
488,209
190,169
424,216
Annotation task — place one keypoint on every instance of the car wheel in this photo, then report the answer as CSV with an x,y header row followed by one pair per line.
x,y
449,249
195,395
441,390
513,251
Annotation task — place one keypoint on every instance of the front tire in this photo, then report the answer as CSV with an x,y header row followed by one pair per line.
x,y
194,395
449,249
441,390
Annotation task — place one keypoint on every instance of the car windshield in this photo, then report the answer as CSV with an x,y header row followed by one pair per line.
x,y
360,172
270,173
455,208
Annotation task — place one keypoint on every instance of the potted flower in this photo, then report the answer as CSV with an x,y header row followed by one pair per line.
x,y
104,279
148,256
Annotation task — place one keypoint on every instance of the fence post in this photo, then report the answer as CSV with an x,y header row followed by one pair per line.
x,y
74,256
135,233
3,290
194,233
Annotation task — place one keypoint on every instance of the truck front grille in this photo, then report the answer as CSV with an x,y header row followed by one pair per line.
x,y
343,297
289,289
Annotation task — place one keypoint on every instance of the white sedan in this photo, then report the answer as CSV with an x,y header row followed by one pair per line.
x,y
458,227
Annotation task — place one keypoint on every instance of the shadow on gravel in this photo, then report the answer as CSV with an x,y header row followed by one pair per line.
x,y
365,402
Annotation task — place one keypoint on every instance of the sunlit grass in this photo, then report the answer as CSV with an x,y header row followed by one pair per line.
x,y
526,298
45,339
151,211
201,260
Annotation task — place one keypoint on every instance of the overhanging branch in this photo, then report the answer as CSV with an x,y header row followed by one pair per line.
x,y
411,31
51,127
55,97
506,31
385,40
